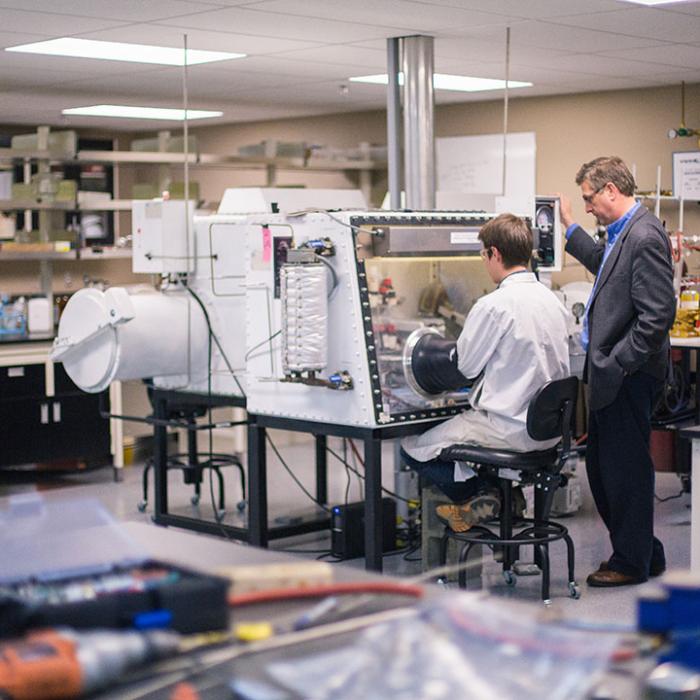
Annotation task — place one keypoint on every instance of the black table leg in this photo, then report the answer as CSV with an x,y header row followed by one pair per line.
x,y
373,504
257,486
160,458
321,469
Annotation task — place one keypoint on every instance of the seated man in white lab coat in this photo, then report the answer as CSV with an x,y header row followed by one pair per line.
x,y
514,341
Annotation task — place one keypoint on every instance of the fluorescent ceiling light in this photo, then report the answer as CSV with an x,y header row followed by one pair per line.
x,y
444,81
118,51
141,112
656,2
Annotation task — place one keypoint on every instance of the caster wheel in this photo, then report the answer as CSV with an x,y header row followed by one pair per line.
x,y
194,500
442,582
141,505
574,590
546,602
220,515
510,578
241,506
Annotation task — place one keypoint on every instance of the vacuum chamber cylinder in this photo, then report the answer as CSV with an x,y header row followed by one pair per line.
x,y
159,334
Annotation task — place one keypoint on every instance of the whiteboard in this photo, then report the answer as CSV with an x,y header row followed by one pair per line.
x,y
474,165
686,175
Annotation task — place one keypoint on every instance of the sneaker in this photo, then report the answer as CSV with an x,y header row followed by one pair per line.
x,y
459,517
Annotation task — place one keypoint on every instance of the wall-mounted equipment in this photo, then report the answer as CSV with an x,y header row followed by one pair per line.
x,y
547,234
683,131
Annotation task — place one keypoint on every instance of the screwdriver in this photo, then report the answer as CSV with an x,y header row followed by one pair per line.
x,y
60,663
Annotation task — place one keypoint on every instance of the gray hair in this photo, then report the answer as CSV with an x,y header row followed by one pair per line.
x,y
606,169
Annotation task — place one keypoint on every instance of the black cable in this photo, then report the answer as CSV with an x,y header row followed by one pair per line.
x,y
669,498
255,347
390,493
218,517
294,478
347,472
214,337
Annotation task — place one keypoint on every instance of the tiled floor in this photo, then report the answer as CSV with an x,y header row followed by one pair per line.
x,y
609,606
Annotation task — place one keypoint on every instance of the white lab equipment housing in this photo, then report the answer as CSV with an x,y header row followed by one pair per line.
x,y
304,306
384,266
164,335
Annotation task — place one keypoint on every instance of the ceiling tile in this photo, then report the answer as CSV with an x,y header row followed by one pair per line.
x,y
50,24
341,55
15,39
127,10
639,22
292,68
532,9
162,35
268,24
684,8
398,13
684,55
553,36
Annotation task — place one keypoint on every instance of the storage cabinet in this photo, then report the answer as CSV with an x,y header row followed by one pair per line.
x,y
45,417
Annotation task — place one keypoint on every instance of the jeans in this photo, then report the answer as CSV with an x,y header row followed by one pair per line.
x,y
440,473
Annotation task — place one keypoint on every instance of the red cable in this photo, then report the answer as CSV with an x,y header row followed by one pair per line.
x,y
279,594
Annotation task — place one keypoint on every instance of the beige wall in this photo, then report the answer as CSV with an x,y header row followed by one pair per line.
x,y
570,129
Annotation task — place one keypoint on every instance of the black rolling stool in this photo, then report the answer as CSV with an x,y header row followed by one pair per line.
x,y
191,466
549,416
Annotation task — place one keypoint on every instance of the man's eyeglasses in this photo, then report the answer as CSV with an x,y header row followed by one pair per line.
x,y
486,253
588,198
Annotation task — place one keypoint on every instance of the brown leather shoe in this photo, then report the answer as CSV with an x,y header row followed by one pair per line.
x,y
460,517
608,578
654,570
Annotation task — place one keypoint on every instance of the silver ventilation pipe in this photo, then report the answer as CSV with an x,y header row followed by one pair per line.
x,y
418,122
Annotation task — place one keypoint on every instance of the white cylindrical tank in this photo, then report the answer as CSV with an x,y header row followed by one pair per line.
x,y
109,336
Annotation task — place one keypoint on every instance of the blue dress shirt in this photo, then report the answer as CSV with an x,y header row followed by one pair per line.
x,y
614,230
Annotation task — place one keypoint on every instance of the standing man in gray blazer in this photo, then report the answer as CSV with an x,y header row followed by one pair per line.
x,y
625,335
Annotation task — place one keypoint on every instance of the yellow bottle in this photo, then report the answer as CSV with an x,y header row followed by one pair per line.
x,y
690,299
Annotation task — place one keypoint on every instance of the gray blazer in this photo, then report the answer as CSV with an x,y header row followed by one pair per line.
x,y
632,308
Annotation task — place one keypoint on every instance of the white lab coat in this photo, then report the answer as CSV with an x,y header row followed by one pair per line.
x,y
517,336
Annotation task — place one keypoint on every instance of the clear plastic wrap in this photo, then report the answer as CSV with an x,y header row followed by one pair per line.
x,y
456,647
304,295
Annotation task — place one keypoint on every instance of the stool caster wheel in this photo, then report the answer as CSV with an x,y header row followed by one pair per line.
x,y
241,506
546,602
574,590
194,500
442,582
219,515
141,506
510,578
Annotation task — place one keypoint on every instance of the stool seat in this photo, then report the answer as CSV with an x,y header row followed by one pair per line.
x,y
523,461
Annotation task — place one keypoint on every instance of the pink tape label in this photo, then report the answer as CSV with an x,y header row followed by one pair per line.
x,y
267,244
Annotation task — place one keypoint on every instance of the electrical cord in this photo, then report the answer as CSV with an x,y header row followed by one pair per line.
x,y
669,498
348,473
214,337
385,490
218,517
259,345
294,477
334,274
